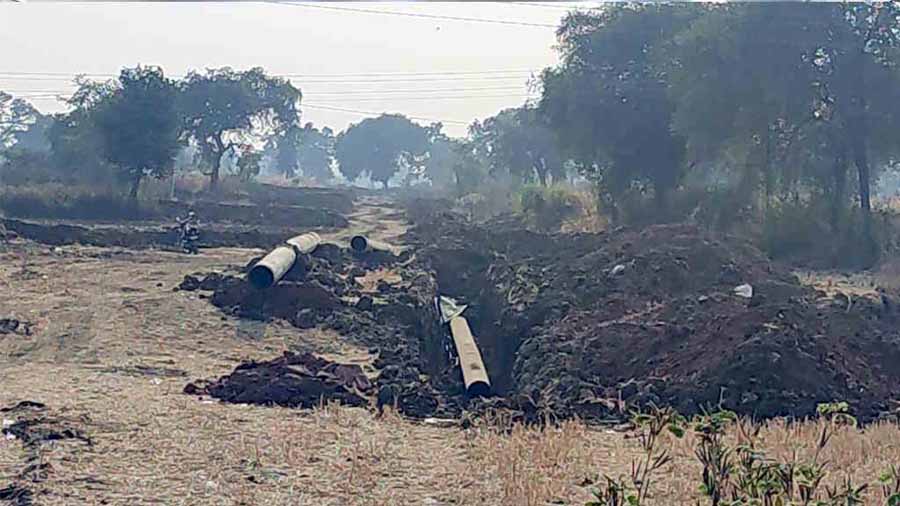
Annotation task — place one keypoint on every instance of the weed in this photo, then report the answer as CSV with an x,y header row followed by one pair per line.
x,y
634,489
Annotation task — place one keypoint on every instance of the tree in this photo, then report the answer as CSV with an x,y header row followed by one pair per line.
x,y
286,151
801,91
138,123
16,116
608,100
516,142
34,138
380,147
224,108
316,152
443,156
249,163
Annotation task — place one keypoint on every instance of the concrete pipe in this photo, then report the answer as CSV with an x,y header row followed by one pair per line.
x,y
362,244
272,267
305,243
475,376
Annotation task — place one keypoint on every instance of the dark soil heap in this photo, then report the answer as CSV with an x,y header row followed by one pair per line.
x,y
571,325
293,380
580,322
399,323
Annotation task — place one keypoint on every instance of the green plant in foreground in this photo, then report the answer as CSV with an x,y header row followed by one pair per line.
x,y
633,490
890,485
739,473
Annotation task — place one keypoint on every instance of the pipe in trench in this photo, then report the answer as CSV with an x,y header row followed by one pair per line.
x,y
475,376
279,261
362,244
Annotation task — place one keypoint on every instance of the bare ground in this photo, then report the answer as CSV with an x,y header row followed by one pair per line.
x,y
112,347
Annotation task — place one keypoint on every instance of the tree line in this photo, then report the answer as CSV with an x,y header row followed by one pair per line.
x,y
759,105
142,123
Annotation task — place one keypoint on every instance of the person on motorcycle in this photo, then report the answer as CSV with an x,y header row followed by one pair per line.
x,y
189,229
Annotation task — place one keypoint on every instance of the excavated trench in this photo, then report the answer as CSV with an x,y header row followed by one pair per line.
x,y
573,324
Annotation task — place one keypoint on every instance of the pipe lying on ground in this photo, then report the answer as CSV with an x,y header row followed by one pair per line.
x,y
305,243
362,244
474,373
272,267
279,261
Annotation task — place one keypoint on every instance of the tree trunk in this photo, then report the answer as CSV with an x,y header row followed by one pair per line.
x,y
839,173
218,153
858,134
135,186
541,170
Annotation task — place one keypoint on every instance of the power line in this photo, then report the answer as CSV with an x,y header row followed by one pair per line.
x,y
343,92
350,93
372,113
553,6
337,100
385,99
307,74
418,15
325,81
420,90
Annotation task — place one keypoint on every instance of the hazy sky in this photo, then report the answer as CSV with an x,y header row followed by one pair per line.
x,y
484,66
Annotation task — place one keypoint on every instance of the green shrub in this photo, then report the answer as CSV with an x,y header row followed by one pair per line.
x,y
60,201
546,207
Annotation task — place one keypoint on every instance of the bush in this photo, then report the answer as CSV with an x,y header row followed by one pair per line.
x,y
802,233
547,207
60,201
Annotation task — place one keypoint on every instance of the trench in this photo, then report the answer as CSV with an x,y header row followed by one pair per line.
x,y
463,275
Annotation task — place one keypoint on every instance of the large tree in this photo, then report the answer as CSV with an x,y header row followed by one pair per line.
x,y
382,146
16,116
316,153
798,91
138,123
516,142
224,108
608,102
286,145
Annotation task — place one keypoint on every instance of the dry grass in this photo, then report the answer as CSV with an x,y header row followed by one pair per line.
x,y
97,312
588,217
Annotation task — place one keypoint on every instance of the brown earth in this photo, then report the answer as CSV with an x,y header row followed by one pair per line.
x,y
581,322
574,325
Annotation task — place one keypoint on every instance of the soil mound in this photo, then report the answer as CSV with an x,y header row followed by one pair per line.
x,y
574,324
582,322
292,380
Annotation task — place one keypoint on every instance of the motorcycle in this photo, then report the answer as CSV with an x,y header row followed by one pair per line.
x,y
187,237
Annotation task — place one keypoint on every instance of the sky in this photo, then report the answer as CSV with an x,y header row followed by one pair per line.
x,y
349,64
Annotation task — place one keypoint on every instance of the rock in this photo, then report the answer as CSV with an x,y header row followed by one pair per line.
x,y
189,284
305,319
365,303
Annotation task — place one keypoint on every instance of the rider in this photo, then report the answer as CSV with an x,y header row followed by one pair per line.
x,y
189,228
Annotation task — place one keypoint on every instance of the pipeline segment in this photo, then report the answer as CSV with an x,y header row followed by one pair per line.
x,y
279,261
362,244
474,374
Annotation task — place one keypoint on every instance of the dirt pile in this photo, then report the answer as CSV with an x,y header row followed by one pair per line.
x,y
14,326
292,380
573,324
581,321
332,288
146,235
